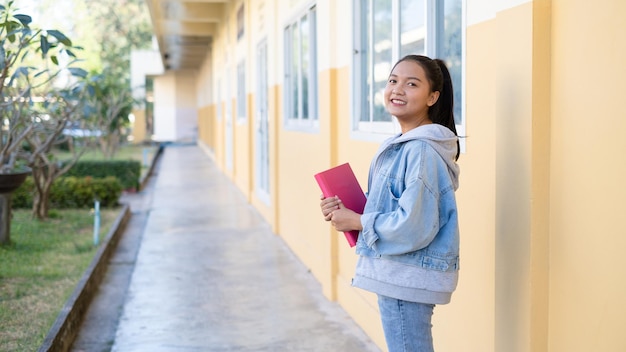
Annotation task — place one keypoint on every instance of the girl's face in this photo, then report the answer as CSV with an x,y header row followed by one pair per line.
x,y
408,95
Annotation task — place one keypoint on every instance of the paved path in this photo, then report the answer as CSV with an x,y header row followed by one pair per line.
x,y
209,275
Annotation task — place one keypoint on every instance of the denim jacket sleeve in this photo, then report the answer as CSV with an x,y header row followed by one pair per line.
x,y
406,216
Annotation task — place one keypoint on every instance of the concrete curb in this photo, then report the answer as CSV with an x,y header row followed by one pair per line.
x,y
144,180
66,327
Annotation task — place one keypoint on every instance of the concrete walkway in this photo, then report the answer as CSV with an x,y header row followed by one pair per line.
x,y
209,275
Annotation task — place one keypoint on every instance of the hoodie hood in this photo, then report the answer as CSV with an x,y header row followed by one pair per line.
x,y
441,139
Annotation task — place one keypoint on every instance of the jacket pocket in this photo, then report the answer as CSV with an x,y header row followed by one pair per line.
x,y
429,260
393,191
437,262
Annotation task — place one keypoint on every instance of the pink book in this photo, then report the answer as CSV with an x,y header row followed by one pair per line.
x,y
340,181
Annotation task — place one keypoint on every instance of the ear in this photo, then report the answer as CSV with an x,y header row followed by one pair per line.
x,y
432,99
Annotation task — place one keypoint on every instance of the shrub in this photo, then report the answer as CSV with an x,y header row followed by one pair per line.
x,y
72,192
127,171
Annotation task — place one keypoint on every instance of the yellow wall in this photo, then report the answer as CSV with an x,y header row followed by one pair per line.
x,y
360,304
468,322
139,126
587,232
513,132
540,197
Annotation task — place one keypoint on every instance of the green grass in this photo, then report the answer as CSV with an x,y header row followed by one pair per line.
x,y
125,152
40,269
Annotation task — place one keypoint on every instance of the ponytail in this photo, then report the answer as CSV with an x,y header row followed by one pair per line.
x,y
442,112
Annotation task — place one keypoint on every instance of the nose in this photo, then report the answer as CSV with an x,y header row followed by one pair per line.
x,y
397,90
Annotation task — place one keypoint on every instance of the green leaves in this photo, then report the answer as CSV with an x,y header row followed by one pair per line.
x,y
60,37
24,19
78,72
31,61
2,58
22,71
18,43
45,46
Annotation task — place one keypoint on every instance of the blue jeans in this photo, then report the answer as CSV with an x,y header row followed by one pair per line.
x,y
407,325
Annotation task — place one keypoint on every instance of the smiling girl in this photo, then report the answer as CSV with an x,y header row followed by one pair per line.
x,y
408,244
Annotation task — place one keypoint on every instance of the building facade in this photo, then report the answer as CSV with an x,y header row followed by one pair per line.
x,y
286,88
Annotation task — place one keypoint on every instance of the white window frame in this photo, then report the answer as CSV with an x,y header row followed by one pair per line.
x,y
298,121
379,130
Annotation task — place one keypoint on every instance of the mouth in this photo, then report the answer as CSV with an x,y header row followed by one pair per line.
x,y
398,102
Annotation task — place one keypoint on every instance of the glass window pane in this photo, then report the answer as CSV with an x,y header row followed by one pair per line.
x,y
287,53
383,33
241,91
304,68
365,63
301,71
412,27
295,60
382,45
451,50
312,86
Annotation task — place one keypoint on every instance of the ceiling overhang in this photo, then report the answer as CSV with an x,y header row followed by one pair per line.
x,y
185,29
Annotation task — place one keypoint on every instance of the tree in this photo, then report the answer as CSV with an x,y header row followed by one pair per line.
x,y
22,73
123,25
58,109
118,27
110,104
108,30
30,59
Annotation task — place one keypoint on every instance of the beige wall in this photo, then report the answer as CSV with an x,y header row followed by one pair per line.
x,y
176,113
540,195
587,233
468,322
139,133
164,107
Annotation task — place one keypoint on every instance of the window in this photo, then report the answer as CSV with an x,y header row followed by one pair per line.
x,y
219,100
241,92
387,30
301,72
240,22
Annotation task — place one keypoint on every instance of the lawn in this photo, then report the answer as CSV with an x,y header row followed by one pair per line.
x,y
41,267
125,152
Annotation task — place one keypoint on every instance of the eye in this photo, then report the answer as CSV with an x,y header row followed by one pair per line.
x,y
391,80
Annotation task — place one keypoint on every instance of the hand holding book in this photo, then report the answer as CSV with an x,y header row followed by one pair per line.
x,y
341,182
344,219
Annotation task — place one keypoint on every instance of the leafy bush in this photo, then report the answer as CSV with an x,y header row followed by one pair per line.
x,y
127,171
73,192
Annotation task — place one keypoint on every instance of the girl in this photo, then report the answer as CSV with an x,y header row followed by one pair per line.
x,y
408,244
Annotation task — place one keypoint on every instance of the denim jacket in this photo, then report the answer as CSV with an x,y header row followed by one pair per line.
x,y
409,245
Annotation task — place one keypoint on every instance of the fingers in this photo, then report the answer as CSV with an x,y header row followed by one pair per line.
x,y
328,205
328,200
328,212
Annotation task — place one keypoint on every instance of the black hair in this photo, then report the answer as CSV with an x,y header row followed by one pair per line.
x,y
442,112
